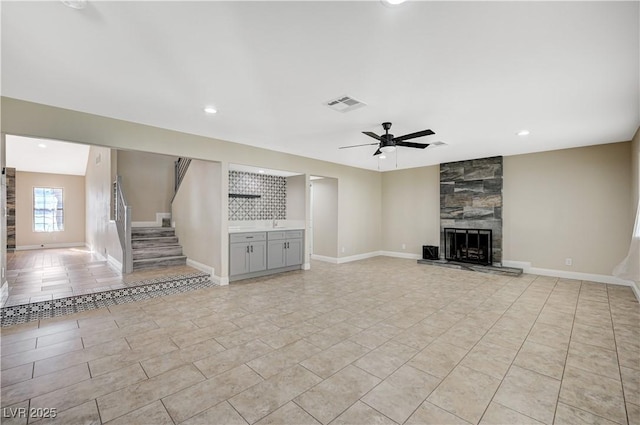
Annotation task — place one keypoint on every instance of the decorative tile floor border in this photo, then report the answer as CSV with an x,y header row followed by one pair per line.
x,y
144,289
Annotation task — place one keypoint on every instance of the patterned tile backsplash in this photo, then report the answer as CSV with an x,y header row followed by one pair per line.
x,y
257,196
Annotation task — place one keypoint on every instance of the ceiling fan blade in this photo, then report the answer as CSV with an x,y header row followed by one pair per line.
x,y
414,135
412,145
357,146
370,134
378,152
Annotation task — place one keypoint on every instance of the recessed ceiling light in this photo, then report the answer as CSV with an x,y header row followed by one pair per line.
x,y
75,4
42,145
210,110
392,2
523,133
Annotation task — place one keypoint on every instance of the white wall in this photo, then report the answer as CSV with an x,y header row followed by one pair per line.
x,y
325,217
197,214
3,227
148,181
359,203
101,234
296,197
74,209
411,209
635,171
570,203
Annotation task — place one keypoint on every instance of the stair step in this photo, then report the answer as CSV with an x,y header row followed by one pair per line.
x,y
157,252
151,242
151,232
148,263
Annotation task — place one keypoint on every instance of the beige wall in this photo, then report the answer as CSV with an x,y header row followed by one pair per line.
x,y
148,181
197,214
3,216
411,209
359,212
635,171
74,209
101,234
571,203
359,190
325,217
296,197
560,195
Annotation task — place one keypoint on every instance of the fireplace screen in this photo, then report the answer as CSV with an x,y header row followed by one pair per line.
x,y
468,245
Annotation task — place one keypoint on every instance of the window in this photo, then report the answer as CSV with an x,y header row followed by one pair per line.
x,y
48,209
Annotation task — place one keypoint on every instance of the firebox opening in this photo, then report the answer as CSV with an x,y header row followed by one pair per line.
x,y
468,245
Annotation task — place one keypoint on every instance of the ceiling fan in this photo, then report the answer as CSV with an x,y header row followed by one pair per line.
x,y
388,143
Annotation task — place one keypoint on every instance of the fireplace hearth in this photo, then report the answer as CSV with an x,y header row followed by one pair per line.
x,y
468,245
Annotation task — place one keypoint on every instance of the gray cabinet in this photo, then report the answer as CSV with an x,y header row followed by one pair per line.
x,y
247,253
284,249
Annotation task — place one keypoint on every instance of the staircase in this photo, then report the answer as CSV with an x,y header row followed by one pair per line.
x,y
155,247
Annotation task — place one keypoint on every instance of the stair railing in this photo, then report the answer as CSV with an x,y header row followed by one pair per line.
x,y
123,224
180,167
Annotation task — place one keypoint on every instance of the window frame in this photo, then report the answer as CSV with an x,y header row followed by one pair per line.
x,y
59,210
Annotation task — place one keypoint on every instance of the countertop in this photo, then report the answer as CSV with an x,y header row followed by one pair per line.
x,y
262,229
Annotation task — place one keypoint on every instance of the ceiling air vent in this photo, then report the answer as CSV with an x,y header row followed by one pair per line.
x,y
436,144
344,104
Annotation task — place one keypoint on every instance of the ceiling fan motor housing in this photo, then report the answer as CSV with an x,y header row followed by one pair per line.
x,y
387,140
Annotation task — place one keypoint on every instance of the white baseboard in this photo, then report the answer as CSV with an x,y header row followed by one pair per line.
x,y
4,293
636,289
341,260
157,223
202,267
114,262
51,245
306,266
407,255
222,281
326,259
591,277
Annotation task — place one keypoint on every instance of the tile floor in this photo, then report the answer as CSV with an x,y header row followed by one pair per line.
x,y
378,341
43,275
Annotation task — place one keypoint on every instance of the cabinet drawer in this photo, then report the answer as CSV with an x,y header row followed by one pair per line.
x,y
274,236
247,237
294,234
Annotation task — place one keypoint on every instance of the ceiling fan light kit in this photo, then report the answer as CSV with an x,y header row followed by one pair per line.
x,y
387,143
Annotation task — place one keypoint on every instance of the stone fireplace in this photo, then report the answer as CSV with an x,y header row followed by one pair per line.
x,y
471,211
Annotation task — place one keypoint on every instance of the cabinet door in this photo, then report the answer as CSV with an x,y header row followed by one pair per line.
x,y
275,254
238,258
258,256
294,252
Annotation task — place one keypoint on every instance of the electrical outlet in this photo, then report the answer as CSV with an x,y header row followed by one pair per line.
x,y
404,246
568,261
343,250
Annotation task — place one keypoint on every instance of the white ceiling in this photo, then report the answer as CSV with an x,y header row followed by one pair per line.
x,y
474,72
46,156
268,171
